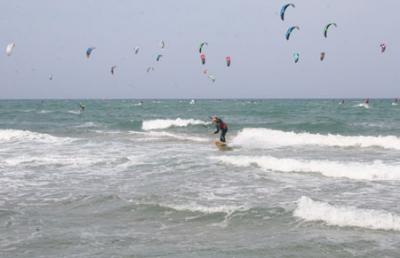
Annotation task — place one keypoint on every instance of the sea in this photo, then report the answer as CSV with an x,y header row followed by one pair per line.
x,y
131,178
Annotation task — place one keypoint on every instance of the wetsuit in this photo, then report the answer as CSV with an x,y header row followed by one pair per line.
x,y
223,127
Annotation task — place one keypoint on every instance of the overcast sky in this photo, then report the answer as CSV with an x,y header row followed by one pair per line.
x,y
52,37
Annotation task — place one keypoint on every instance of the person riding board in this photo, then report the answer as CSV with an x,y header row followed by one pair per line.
x,y
221,126
82,107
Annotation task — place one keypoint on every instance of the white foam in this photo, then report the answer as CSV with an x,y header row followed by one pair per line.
x,y
193,207
362,105
130,161
10,135
346,216
178,136
353,170
48,160
45,111
74,112
162,134
106,132
86,125
72,161
167,123
268,138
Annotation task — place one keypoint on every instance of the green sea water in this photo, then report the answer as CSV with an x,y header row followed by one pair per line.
x,y
130,178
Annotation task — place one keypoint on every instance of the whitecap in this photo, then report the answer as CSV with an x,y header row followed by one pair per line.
x,y
167,123
376,170
267,138
11,135
346,216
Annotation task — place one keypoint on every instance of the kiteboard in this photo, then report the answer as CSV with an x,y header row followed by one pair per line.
x,y
222,146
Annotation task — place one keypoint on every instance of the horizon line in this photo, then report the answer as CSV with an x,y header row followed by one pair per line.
x,y
311,98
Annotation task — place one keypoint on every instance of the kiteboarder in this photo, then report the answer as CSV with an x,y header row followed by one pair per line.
x,y
221,126
82,107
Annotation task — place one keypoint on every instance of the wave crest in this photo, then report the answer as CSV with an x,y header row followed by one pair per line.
x,y
346,216
167,123
267,138
11,135
353,170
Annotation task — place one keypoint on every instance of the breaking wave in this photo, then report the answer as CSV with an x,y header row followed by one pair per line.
x,y
167,123
346,216
267,138
353,170
11,135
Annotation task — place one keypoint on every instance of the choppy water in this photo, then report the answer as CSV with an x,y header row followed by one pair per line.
x,y
305,179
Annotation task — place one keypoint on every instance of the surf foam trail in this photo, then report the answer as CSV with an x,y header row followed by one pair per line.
x,y
193,207
10,135
267,138
353,170
163,134
345,216
167,123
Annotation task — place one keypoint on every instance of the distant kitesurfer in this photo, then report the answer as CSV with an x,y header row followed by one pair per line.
x,y
221,126
82,107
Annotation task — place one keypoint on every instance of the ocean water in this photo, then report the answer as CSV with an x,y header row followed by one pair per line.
x,y
305,178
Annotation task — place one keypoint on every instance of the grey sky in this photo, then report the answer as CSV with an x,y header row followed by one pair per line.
x,y
52,36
